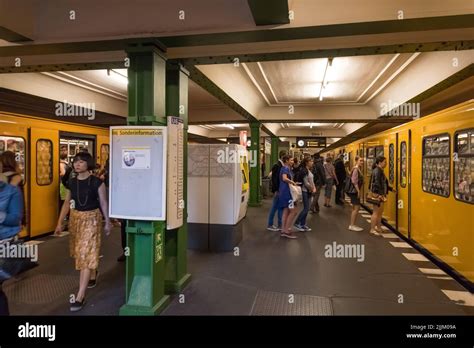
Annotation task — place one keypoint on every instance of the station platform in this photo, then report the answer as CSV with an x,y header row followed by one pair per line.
x,y
269,276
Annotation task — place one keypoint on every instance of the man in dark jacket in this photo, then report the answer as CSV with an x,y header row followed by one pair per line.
x,y
341,177
319,179
275,186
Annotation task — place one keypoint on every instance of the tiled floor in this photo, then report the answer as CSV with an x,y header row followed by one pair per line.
x,y
225,284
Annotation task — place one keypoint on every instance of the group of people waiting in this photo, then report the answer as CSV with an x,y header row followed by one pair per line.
x,y
314,173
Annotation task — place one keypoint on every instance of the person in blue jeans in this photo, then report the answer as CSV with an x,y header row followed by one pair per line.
x,y
11,213
275,188
308,188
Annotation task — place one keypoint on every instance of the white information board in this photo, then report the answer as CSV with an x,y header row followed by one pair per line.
x,y
138,172
175,194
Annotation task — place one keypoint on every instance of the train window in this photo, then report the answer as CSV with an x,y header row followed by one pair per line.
x,y
378,151
403,164
17,146
370,160
44,162
391,163
464,166
435,166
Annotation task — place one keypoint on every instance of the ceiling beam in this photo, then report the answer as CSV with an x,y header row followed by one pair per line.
x,y
61,67
203,81
12,36
268,12
321,31
338,52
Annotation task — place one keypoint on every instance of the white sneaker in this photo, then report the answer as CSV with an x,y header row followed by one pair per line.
x,y
355,228
273,228
375,233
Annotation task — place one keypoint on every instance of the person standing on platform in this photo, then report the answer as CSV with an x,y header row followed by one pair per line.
x,y
86,194
285,200
275,176
340,170
11,206
379,187
354,191
307,189
331,177
319,181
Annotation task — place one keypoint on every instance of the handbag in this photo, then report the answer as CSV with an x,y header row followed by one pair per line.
x,y
372,197
296,193
349,187
13,266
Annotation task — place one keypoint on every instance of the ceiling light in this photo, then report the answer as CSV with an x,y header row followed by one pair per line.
x,y
310,125
325,76
228,126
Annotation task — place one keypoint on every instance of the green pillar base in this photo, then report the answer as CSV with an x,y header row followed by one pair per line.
x,y
141,310
172,287
255,204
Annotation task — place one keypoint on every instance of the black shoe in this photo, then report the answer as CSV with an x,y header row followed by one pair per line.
x,y
77,305
121,258
93,282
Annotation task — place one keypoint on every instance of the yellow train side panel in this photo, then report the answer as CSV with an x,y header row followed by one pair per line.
x,y
443,225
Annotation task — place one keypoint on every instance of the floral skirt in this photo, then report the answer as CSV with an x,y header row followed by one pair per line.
x,y
85,228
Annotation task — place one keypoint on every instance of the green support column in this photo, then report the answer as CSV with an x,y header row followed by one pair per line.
x,y
255,196
274,151
176,241
145,270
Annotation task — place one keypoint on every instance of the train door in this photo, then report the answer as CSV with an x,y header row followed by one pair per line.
x,y
361,153
404,182
43,180
14,138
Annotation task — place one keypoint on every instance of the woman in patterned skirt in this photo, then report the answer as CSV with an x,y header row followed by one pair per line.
x,y
86,194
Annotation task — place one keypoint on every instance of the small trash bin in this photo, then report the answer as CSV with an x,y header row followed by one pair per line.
x,y
266,188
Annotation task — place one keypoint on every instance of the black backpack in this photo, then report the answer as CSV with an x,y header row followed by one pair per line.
x,y
299,174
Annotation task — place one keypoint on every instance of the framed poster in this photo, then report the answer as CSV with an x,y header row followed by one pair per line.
x,y
138,173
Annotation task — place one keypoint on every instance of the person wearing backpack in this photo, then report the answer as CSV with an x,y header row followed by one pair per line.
x,y
305,176
11,206
275,176
319,181
12,172
352,188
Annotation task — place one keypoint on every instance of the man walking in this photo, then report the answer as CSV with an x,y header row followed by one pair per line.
x,y
319,181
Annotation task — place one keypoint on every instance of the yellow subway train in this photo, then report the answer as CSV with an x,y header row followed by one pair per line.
x,y
430,162
36,143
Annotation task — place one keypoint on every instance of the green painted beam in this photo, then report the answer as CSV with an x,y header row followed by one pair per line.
x,y
274,150
268,12
176,241
255,196
348,29
61,67
446,83
323,31
12,36
336,52
202,80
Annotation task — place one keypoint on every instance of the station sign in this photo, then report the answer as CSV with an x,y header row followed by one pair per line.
x,y
311,142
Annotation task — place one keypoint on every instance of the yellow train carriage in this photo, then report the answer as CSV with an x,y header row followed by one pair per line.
x,y
37,143
430,163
